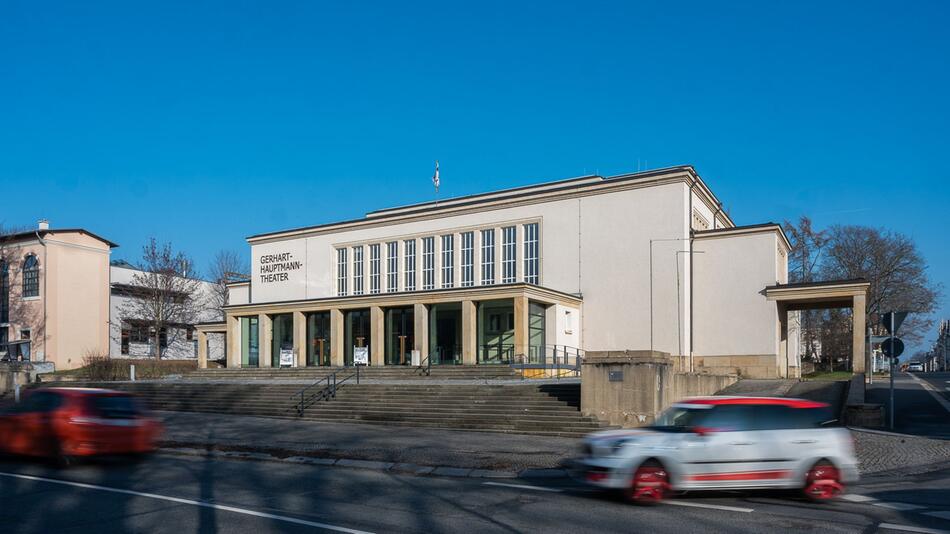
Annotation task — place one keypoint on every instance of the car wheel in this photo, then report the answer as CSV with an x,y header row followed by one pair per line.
x,y
650,484
823,482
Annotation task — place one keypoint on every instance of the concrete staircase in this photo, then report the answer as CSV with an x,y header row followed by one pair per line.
x,y
438,372
548,409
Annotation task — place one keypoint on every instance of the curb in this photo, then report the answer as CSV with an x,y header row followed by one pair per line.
x,y
392,467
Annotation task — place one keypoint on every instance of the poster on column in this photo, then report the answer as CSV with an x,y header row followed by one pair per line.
x,y
360,355
286,357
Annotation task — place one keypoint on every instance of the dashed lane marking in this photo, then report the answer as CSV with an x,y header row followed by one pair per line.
x,y
191,502
854,497
899,506
521,486
908,528
709,506
939,515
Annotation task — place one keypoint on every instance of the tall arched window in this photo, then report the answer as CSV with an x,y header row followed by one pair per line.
x,y
4,293
31,277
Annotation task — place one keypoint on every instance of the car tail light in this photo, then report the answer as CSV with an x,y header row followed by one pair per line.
x,y
597,476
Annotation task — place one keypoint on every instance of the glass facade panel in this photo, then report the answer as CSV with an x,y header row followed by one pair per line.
x,y
535,333
509,255
341,272
392,266
318,338
399,336
428,263
358,270
356,333
445,333
467,251
374,269
488,257
249,342
410,245
496,331
531,249
282,336
448,261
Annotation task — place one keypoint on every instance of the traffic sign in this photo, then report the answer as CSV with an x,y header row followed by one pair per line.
x,y
893,318
892,347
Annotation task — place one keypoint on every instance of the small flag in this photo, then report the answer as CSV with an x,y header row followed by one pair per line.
x,y
435,177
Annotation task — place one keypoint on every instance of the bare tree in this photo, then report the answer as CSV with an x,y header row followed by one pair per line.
x,y
804,263
895,268
227,266
165,295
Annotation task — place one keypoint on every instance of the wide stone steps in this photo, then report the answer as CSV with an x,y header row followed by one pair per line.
x,y
534,409
374,373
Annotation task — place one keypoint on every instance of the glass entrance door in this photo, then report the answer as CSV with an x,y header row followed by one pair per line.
x,y
399,336
356,325
318,338
282,338
250,347
445,333
496,331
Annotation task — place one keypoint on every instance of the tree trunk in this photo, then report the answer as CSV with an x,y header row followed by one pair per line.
x,y
158,344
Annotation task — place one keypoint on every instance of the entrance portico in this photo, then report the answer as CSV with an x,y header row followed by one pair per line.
x,y
471,325
824,295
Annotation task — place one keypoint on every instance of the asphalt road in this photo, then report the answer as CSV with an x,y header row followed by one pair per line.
x,y
922,403
181,494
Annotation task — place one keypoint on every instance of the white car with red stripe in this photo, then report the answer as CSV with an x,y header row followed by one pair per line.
x,y
724,443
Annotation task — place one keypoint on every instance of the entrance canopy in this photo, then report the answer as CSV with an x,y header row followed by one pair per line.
x,y
825,295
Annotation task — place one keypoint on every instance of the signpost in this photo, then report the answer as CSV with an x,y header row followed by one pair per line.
x,y
892,347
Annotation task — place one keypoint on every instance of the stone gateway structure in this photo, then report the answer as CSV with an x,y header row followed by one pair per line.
x,y
642,261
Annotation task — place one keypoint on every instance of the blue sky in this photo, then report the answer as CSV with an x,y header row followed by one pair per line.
x,y
203,124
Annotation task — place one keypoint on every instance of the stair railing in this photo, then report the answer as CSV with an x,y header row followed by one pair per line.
x,y
326,393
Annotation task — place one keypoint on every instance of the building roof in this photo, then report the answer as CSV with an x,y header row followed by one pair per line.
x,y
30,234
747,229
512,194
822,283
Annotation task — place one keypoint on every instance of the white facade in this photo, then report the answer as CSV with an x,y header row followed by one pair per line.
x,y
622,246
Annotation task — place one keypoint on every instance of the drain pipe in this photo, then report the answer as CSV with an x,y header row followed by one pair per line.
x,y
45,268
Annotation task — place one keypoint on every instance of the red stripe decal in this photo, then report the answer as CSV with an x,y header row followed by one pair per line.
x,y
747,475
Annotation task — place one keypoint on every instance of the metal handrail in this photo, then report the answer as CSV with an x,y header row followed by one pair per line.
x,y
328,392
558,360
425,366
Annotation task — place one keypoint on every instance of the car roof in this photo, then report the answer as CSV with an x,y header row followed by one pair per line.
x,y
755,401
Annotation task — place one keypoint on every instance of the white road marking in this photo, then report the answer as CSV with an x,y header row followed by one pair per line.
x,y
899,506
179,500
940,515
933,393
521,486
908,528
709,506
854,497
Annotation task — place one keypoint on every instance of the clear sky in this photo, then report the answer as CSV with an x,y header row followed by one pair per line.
x,y
203,124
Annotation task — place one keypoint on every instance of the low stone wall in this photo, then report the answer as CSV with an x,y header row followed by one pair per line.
x,y
12,374
630,388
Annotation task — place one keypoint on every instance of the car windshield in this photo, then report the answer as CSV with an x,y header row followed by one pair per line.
x,y
115,406
680,418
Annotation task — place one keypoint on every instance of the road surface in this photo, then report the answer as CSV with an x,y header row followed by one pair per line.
x,y
922,403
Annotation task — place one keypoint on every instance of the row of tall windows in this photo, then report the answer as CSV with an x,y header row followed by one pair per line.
x,y
531,258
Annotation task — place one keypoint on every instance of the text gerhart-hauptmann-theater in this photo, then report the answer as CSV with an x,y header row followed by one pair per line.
x,y
640,261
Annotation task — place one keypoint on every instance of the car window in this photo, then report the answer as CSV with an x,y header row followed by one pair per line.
x,y
730,418
115,406
41,402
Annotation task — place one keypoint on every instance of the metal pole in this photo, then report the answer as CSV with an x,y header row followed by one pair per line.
x,y
893,370
651,296
870,357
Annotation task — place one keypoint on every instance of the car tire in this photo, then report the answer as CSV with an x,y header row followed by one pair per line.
x,y
650,483
823,482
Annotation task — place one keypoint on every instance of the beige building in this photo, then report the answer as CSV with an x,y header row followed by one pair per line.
x,y
54,295
535,274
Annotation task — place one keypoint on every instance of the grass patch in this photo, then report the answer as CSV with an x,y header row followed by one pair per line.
x,y
829,375
109,369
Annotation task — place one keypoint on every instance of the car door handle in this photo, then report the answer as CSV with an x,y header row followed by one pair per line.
x,y
802,441
742,443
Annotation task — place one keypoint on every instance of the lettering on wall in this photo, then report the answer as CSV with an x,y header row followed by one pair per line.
x,y
277,267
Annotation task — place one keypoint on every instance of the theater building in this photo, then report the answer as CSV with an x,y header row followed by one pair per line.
x,y
638,261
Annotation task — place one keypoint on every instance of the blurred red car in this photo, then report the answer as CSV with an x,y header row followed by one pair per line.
x,y
66,423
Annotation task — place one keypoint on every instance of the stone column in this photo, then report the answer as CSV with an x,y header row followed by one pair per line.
x,y
521,326
265,337
234,341
336,338
300,338
202,350
782,340
377,336
420,329
858,328
469,332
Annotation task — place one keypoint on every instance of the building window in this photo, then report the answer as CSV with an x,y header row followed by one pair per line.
x,y
468,259
341,272
4,293
392,268
125,341
410,264
488,257
31,277
531,263
509,255
428,263
374,269
448,261
358,270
